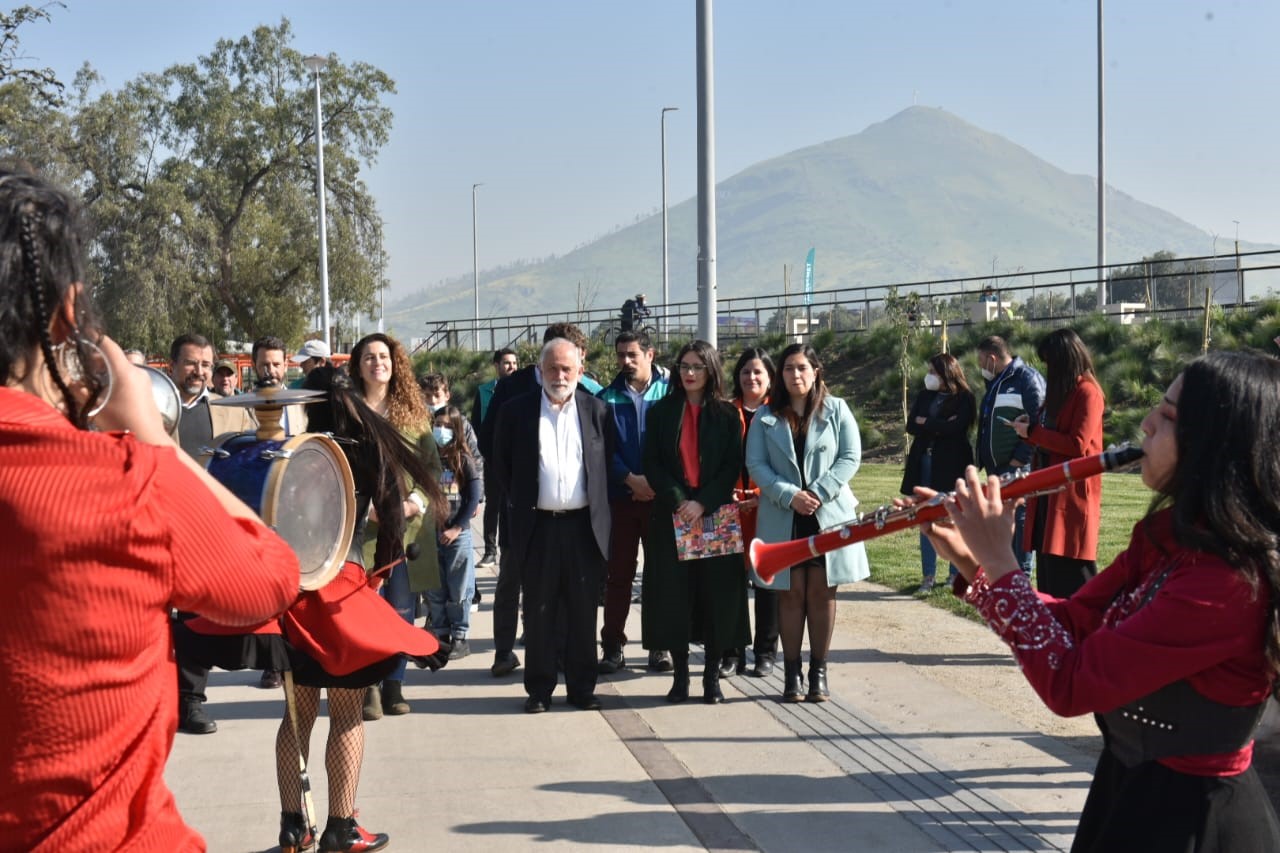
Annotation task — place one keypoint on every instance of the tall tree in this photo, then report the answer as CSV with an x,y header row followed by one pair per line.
x,y
201,181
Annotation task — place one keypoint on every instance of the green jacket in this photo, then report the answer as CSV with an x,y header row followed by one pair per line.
x,y
424,572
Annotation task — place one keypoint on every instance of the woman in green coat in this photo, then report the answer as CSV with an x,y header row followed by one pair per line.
x,y
692,458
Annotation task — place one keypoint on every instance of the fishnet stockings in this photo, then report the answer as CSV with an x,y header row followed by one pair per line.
x,y
344,750
808,600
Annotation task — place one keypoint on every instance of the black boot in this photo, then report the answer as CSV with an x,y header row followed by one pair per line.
x,y
393,703
792,691
344,835
764,664
818,691
679,691
295,835
372,704
711,694
729,664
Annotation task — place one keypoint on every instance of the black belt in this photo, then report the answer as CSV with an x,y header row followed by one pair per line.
x,y
564,513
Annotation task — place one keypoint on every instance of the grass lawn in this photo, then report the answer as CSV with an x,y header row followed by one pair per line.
x,y
895,558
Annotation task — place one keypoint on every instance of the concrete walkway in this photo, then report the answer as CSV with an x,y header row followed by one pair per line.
x,y
896,762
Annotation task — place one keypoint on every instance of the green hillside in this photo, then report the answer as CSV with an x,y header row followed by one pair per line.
x,y
922,195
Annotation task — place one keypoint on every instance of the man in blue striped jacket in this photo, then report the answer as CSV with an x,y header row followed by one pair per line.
x,y
639,384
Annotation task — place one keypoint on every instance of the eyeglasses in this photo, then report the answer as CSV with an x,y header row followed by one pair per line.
x,y
692,368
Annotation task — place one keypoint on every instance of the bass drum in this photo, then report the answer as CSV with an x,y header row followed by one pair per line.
x,y
301,487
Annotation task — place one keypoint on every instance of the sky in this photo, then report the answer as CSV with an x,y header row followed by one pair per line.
x,y
553,105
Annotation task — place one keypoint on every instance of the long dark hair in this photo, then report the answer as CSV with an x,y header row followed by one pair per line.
x,y
379,454
781,401
41,257
747,355
1066,359
456,452
948,368
1225,487
714,390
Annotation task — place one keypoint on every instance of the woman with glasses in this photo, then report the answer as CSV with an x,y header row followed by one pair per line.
x,y
692,458
802,453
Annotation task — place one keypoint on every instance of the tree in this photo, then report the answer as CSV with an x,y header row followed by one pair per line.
x,y
201,182
903,312
26,94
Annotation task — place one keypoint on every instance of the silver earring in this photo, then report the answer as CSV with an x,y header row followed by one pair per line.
x,y
77,356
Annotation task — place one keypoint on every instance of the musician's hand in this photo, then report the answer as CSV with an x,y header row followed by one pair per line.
x,y
749,503
805,502
132,405
984,523
1021,425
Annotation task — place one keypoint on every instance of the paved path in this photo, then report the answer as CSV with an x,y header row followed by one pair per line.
x,y
896,762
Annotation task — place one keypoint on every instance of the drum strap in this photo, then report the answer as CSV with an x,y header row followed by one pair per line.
x,y
308,803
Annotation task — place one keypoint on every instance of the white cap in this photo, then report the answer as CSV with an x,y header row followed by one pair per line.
x,y
311,349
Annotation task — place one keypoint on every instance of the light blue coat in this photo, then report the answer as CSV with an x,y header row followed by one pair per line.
x,y
832,454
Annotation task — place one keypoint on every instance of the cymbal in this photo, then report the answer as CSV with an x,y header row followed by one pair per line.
x,y
270,396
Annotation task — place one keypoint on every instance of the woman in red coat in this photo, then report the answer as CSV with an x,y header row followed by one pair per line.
x,y
106,526
1062,528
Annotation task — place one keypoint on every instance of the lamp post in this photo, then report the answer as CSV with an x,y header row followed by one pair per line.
x,y
666,284
475,271
315,64
1239,277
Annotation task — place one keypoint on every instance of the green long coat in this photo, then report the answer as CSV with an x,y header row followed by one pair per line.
x,y
424,572
696,600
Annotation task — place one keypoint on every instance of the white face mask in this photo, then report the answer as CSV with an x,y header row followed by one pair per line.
x,y
932,382
987,374
443,435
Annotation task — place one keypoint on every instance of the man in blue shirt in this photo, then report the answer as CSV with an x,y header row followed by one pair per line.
x,y
638,384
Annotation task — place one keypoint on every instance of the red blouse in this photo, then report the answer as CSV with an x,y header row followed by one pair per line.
x,y
102,535
1099,649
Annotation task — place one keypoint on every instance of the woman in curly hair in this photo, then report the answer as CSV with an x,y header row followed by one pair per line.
x,y
382,376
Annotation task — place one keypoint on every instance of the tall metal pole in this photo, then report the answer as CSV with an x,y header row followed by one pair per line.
x,y
665,319
475,272
315,64
706,177
382,285
1102,178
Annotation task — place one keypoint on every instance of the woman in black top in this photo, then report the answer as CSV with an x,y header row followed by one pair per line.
x,y
940,421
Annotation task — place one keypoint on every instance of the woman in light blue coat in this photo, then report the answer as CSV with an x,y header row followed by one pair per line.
x,y
802,454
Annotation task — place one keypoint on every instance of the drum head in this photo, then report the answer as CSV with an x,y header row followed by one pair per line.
x,y
309,501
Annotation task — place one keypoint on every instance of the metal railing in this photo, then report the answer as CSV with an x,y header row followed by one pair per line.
x,y
1166,288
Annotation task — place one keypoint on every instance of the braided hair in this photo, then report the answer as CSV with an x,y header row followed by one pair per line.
x,y
41,258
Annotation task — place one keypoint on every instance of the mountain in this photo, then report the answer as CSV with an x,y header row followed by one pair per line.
x,y
922,195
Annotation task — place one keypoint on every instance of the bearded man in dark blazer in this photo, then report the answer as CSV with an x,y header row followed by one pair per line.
x,y
552,448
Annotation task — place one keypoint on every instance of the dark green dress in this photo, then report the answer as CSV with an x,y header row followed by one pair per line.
x,y
696,600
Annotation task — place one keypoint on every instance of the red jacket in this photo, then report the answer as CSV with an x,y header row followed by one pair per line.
x,y
1073,514
102,536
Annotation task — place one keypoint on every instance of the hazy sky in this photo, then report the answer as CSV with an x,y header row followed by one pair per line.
x,y
554,105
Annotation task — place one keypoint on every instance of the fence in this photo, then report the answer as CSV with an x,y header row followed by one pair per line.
x,y
1171,288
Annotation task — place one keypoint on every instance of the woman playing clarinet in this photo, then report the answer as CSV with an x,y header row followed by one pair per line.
x,y
1175,647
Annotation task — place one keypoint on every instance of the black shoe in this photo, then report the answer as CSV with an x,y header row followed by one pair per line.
x,y
728,665
372,704
590,702
271,680
711,693
504,663
660,661
764,665
459,648
534,705
393,704
344,835
792,690
818,691
194,721
679,691
295,835
611,661
489,559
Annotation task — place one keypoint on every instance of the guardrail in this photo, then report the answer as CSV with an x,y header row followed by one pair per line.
x,y
1136,290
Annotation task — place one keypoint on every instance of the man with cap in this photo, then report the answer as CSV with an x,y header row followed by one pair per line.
x,y
634,312
313,354
224,378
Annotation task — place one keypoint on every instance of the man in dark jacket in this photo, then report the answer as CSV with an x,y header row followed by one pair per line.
x,y
1013,388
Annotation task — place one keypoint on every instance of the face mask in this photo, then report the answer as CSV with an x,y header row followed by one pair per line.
x,y
437,407
932,382
443,435
987,374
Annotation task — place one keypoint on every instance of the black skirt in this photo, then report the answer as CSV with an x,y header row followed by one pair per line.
x,y
1152,808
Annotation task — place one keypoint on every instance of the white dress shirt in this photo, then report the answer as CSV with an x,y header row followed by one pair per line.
x,y
562,476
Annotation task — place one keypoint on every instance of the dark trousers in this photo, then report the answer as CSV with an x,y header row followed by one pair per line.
x,y
630,523
491,504
561,583
193,677
766,611
1062,576
506,595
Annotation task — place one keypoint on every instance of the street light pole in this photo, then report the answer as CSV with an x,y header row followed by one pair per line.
x,y
475,272
666,283
315,64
